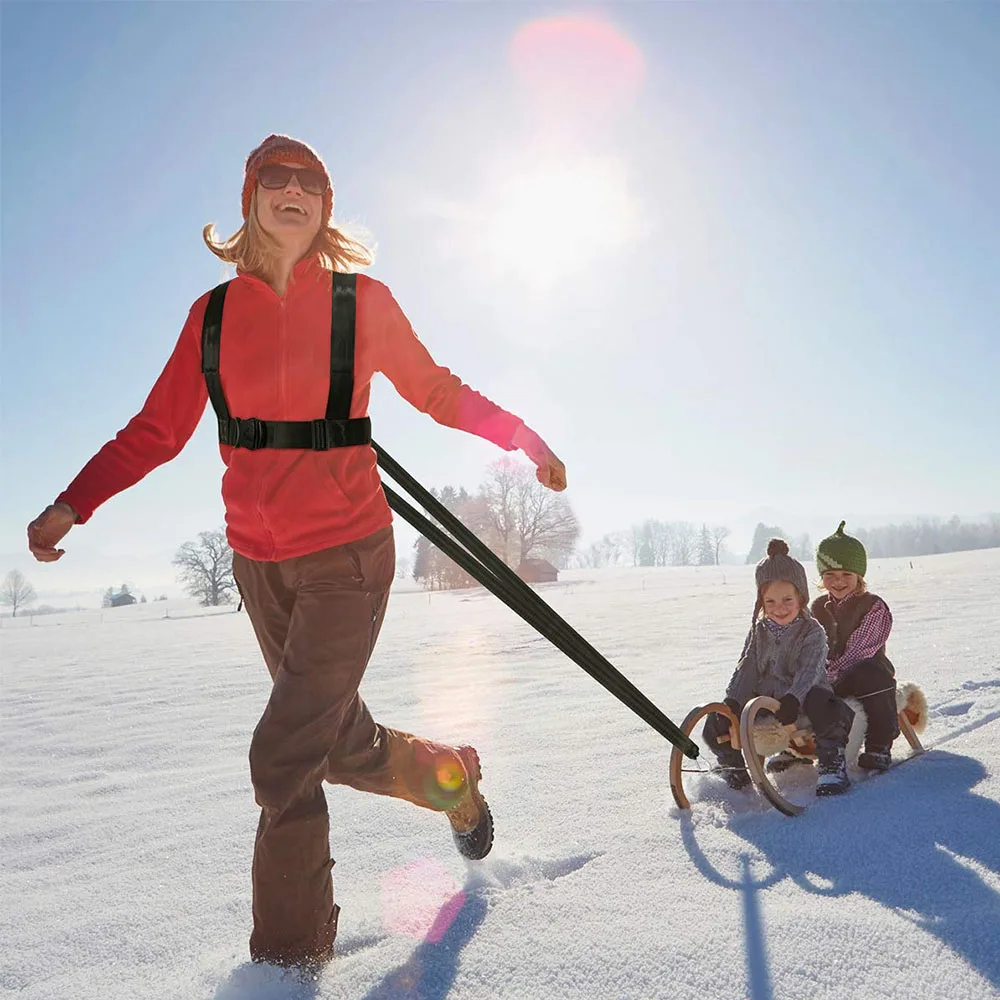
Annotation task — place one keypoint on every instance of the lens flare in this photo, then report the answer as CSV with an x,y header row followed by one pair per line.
x,y
450,776
421,900
577,60
443,782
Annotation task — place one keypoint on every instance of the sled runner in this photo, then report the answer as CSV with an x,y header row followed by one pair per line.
x,y
759,738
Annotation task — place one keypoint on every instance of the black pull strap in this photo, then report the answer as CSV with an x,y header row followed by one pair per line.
x,y
475,557
342,316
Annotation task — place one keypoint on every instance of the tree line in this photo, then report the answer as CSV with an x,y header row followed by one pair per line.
x,y
657,543
519,519
512,513
930,536
923,537
800,547
206,571
682,543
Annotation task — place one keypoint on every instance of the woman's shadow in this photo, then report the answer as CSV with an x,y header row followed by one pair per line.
x,y
890,840
429,972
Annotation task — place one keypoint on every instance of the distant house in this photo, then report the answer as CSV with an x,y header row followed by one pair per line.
x,y
121,600
537,571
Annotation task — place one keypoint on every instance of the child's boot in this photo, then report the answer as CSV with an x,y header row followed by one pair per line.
x,y
875,759
783,761
733,769
833,778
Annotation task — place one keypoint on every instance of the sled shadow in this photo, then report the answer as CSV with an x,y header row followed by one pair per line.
x,y
929,858
430,971
758,976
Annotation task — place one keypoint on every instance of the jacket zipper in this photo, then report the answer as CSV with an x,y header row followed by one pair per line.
x,y
282,395
282,360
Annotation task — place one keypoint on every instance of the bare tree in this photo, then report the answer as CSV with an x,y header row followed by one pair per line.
x,y
612,547
652,542
527,520
719,534
15,591
500,494
706,550
684,536
607,552
547,526
636,542
207,568
663,542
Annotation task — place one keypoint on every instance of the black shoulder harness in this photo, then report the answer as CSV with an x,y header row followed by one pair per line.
x,y
337,429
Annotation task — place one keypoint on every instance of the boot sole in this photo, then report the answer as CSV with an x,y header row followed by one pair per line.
x,y
824,791
787,765
873,768
467,842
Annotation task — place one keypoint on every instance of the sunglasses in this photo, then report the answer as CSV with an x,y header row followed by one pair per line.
x,y
277,175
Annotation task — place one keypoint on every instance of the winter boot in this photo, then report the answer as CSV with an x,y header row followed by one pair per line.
x,y
783,761
875,759
833,778
471,820
733,769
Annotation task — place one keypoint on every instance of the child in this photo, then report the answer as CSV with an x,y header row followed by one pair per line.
x,y
785,656
857,626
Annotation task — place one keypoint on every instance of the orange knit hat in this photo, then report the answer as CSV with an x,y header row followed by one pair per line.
x,y
285,149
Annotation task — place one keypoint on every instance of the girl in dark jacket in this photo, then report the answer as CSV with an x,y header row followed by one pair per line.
x,y
784,657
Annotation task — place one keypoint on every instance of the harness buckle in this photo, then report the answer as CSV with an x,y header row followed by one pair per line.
x,y
320,435
229,431
251,434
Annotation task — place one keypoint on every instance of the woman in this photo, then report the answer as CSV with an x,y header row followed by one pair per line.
x,y
293,337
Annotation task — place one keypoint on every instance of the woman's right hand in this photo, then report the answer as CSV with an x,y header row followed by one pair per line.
x,y
47,529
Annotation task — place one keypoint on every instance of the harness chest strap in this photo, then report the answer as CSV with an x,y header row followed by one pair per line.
x,y
337,429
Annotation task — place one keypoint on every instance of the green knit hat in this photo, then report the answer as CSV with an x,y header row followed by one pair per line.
x,y
840,551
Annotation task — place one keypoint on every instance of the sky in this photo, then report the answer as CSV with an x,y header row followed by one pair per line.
x,y
727,259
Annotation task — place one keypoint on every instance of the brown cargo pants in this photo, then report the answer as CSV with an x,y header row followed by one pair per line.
x,y
316,618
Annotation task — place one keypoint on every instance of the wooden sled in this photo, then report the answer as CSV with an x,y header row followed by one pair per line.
x,y
757,740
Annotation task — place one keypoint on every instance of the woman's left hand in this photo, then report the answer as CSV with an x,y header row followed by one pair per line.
x,y
550,471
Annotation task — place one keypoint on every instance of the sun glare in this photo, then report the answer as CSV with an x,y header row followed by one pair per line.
x,y
553,220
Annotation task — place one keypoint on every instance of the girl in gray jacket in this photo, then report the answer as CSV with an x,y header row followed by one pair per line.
x,y
784,657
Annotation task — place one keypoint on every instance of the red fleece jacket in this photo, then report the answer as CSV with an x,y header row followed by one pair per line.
x,y
275,365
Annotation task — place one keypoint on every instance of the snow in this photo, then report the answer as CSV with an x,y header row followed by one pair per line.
x,y
128,817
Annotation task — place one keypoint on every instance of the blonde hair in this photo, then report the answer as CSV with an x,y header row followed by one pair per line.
x,y
254,251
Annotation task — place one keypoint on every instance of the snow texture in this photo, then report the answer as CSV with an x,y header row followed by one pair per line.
x,y
128,817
